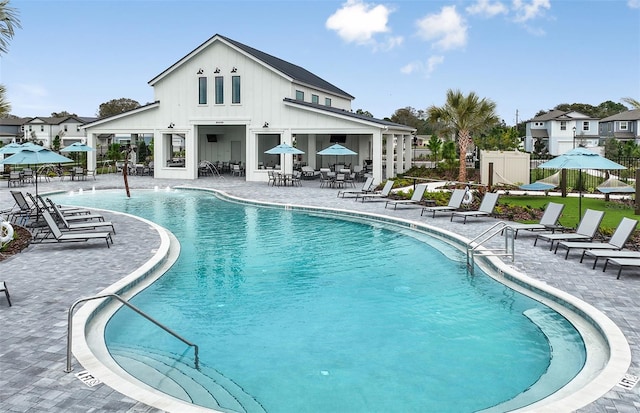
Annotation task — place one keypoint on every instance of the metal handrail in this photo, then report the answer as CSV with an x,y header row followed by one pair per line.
x,y
492,231
69,368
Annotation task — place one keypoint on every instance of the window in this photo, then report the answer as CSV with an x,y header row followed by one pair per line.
x,y
327,101
315,99
585,126
624,125
235,89
202,90
65,128
41,128
299,95
563,125
219,90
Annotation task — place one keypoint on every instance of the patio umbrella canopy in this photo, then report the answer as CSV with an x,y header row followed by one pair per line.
x,y
34,156
284,148
581,158
78,147
337,150
11,148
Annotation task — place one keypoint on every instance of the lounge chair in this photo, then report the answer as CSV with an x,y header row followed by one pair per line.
x,y
616,242
597,254
586,230
71,236
416,198
84,215
386,190
454,203
622,263
366,188
486,208
548,221
3,288
24,212
75,226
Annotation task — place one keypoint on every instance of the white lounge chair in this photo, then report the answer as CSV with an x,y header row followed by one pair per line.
x,y
586,230
75,226
386,190
55,235
486,208
548,221
366,188
622,263
416,198
616,242
454,203
597,254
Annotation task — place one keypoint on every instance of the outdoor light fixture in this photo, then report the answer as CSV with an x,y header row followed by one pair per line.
x,y
171,125
234,69
266,125
217,70
200,71
574,137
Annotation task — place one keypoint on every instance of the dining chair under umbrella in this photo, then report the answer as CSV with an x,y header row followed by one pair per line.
x,y
34,156
581,158
337,150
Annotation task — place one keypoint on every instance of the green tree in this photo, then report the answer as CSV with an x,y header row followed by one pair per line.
x,y
9,22
143,151
464,116
412,117
116,106
364,113
62,114
435,147
634,103
500,138
114,153
56,143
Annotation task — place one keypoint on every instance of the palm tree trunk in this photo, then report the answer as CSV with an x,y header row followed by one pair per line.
x,y
464,140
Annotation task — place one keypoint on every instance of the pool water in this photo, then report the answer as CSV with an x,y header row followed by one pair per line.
x,y
314,313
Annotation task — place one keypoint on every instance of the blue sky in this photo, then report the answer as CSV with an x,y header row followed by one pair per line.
x,y
526,55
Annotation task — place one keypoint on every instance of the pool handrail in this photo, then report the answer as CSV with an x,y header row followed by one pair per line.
x,y
69,368
499,227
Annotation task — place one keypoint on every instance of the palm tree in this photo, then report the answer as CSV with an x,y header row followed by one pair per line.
x,y
8,23
635,104
464,116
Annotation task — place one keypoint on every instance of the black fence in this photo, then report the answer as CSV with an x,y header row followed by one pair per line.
x,y
587,181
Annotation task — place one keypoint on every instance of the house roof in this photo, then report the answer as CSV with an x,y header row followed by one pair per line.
x,y
98,121
48,120
627,115
556,114
297,73
13,121
346,113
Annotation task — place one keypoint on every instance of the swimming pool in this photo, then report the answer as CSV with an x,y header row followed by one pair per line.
x,y
363,332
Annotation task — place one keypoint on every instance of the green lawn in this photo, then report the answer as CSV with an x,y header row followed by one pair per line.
x,y
614,212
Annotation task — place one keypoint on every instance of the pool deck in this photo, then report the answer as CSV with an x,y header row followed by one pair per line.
x,y
45,280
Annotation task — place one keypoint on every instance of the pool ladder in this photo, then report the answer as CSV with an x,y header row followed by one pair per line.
x,y
496,229
69,368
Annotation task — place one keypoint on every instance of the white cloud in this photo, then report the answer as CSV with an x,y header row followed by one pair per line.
x,y
634,4
357,22
487,9
433,62
390,43
447,29
526,11
411,68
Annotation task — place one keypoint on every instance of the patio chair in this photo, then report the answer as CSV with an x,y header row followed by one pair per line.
x,y
75,226
3,288
616,242
25,211
622,263
548,221
386,190
454,203
80,215
309,173
56,235
586,230
416,198
15,179
366,187
325,179
486,208
597,254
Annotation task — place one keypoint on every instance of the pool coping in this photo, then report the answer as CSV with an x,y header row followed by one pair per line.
x,y
587,387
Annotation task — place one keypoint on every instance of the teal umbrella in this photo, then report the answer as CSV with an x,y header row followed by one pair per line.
x,y
337,150
78,147
11,148
581,158
284,148
35,156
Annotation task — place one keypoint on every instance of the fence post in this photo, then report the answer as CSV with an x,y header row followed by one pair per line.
x,y
490,176
563,183
637,210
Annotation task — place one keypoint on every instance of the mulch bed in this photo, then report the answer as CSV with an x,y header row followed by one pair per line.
x,y
21,239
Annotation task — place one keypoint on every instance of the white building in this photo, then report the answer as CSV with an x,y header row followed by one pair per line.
x,y
561,131
225,101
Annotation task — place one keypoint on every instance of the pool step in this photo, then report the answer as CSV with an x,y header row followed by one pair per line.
x,y
175,375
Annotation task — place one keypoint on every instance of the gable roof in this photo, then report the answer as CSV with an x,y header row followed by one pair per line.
x,y
351,115
48,120
556,114
626,115
296,73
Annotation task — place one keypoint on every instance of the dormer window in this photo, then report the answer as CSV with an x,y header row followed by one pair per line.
x,y
315,99
300,95
327,101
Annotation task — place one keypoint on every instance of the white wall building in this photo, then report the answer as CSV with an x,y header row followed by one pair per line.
x,y
227,102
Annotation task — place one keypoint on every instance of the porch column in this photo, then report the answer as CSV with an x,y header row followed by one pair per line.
x,y
92,155
376,157
408,152
287,160
311,150
390,162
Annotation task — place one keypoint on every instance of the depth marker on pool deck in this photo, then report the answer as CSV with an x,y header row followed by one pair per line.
x,y
87,378
628,381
